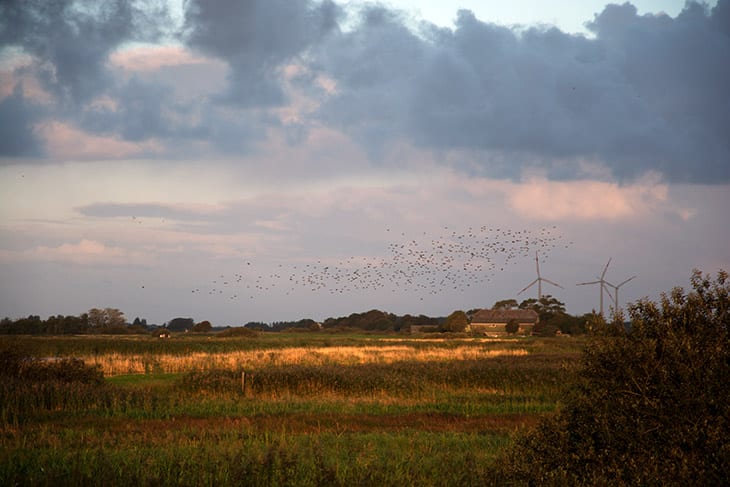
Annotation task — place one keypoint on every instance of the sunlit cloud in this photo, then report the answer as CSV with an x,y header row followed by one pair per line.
x,y
587,200
66,142
85,251
153,57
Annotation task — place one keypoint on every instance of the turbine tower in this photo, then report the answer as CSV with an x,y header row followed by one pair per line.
x,y
539,281
615,291
603,284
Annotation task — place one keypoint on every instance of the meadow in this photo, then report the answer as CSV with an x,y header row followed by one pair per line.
x,y
272,409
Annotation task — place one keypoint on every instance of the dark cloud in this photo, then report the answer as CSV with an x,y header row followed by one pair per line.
x,y
71,41
376,66
17,133
145,110
648,92
255,38
679,70
232,132
140,112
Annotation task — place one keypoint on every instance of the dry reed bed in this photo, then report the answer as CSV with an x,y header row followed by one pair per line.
x,y
121,364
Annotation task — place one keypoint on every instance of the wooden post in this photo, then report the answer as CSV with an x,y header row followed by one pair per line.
x,y
243,382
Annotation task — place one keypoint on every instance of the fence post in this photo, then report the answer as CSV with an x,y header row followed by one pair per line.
x,y
243,382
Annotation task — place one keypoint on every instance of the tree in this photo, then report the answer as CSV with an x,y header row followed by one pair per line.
x,y
505,304
202,327
180,324
547,306
456,322
512,326
140,322
550,310
470,314
651,405
105,318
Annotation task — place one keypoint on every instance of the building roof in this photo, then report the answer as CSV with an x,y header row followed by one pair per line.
x,y
504,316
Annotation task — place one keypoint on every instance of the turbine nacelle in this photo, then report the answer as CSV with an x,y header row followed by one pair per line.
x,y
539,280
604,287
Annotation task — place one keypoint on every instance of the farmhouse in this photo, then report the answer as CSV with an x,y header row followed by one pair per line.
x,y
494,321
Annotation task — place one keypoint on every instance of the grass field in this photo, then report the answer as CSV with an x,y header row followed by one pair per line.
x,y
277,409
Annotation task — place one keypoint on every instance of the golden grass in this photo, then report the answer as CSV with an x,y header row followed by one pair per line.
x,y
122,364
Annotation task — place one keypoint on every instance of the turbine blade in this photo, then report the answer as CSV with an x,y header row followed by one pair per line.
x,y
606,268
607,291
553,283
586,283
527,287
627,280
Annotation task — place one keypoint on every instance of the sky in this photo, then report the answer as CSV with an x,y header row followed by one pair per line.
x,y
278,160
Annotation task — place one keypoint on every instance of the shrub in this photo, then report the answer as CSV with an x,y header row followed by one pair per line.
x,y
456,322
239,331
15,365
512,326
202,327
652,406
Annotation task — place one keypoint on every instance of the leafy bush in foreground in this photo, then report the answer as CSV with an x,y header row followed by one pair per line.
x,y
29,385
15,365
652,406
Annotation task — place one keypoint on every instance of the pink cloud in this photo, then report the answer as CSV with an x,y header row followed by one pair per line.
x,y
586,200
151,58
9,79
82,252
63,141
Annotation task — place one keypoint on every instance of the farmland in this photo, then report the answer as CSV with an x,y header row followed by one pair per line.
x,y
276,409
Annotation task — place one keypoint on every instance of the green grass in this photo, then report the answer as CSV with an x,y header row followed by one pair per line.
x,y
180,344
401,423
237,457
144,380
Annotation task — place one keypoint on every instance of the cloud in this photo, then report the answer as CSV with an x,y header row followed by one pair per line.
x,y
71,41
678,69
85,251
66,142
373,67
256,39
151,58
18,136
541,199
647,93
149,210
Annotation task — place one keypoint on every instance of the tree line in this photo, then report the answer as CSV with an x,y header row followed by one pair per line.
x,y
552,314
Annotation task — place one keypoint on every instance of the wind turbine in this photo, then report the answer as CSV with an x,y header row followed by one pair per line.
x,y
539,281
615,291
602,282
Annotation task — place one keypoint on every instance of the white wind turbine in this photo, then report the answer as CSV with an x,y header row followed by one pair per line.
x,y
539,281
603,284
615,291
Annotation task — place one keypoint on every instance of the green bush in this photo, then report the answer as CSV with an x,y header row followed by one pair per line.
x,y
512,326
652,406
18,366
456,322
238,332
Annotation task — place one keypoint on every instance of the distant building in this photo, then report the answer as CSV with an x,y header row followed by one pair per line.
x,y
494,321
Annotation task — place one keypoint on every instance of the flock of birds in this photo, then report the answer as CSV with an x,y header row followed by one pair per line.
x,y
428,265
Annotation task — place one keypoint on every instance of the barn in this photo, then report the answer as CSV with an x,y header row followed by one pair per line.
x,y
494,321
